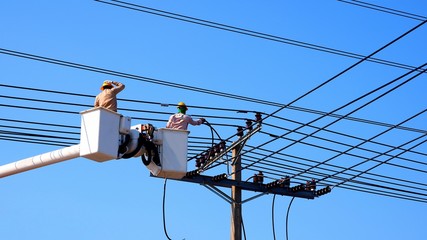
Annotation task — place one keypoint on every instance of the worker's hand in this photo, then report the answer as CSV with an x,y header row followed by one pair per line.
x,y
203,120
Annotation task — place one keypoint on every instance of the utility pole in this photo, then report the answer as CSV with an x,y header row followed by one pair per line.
x,y
236,197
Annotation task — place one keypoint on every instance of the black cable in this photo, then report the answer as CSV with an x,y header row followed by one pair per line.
x,y
385,10
357,185
345,105
338,153
251,33
351,102
35,141
296,108
272,216
164,218
383,162
39,129
243,227
39,123
275,164
346,135
287,216
131,76
388,151
358,146
349,68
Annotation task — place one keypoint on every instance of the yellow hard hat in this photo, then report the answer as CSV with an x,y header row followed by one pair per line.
x,y
182,104
106,83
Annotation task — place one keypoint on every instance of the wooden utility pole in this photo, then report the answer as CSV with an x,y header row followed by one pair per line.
x,y
236,196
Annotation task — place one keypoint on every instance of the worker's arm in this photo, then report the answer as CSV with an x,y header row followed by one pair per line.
x,y
195,122
119,86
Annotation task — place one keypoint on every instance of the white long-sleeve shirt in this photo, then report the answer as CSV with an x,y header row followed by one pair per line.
x,y
181,121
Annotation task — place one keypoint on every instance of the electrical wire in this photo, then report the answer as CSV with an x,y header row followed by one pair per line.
x,y
272,217
370,189
198,21
335,142
287,217
161,112
164,217
385,10
383,162
296,108
349,103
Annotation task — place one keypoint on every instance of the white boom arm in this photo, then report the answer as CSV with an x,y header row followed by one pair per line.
x,y
40,160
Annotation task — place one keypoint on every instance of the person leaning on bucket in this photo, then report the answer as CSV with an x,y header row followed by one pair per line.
x,y
107,98
181,120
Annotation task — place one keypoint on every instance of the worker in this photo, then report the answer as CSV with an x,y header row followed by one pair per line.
x,y
107,98
181,120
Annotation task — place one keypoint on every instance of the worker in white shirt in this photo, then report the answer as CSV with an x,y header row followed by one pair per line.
x,y
181,120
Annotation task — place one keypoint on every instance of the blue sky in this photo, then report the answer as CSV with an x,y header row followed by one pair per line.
x,y
83,199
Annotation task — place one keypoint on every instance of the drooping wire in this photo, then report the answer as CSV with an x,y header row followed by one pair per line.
x,y
287,217
164,217
272,216
213,144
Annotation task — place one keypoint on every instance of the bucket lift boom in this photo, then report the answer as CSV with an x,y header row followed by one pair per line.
x,y
106,135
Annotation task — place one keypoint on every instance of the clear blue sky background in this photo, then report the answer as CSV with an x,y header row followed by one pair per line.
x,y
82,199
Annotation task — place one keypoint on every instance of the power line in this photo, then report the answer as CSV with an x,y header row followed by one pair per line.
x,y
351,112
205,143
296,108
131,76
247,32
385,10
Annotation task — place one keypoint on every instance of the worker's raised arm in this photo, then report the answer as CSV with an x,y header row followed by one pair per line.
x,y
119,86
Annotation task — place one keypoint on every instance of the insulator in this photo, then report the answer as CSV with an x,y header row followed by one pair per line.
x,y
307,186
298,188
205,158
192,173
218,148
220,177
323,191
260,177
212,153
239,131
312,185
255,178
249,125
273,184
287,182
222,145
258,117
